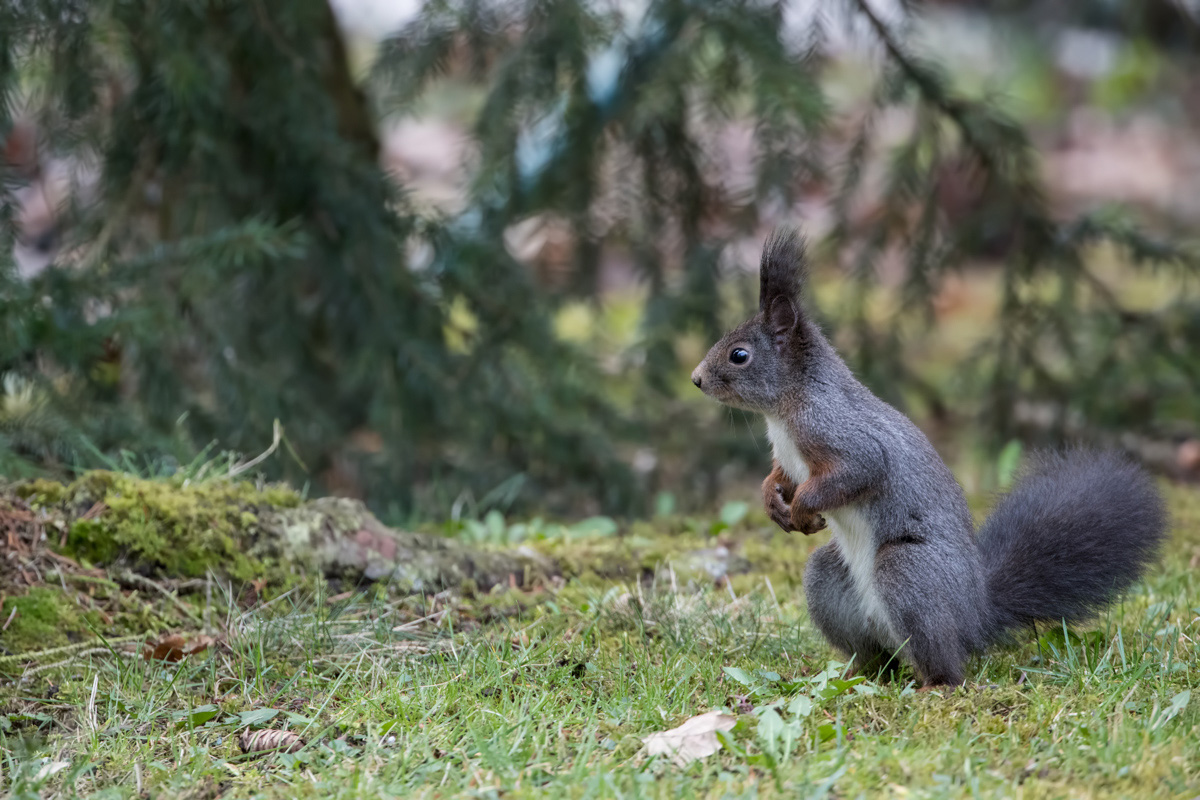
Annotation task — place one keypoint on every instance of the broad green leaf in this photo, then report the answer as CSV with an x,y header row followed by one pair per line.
x,y
494,522
739,675
595,526
258,716
198,715
664,504
838,686
770,728
1007,463
734,512
801,705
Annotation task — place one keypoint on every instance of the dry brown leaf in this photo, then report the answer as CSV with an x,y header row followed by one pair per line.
x,y
174,647
694,739
252,593
167,648
268,740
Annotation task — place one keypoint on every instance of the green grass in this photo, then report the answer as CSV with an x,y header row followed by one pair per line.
x,y
548,694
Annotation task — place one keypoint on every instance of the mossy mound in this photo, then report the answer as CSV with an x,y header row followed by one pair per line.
x,y
244,533
161,527
115,554
120,555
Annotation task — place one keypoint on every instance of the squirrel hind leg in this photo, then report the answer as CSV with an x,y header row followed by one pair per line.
x,y
880,665
836,609
928,611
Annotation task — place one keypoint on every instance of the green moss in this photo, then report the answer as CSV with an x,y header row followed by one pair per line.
x,y
692,553
162,526
45,618
42,492
618,558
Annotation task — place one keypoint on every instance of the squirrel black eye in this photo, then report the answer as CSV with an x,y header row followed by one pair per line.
x,y
740,355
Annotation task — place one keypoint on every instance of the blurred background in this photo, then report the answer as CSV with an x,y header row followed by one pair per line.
x,y
467,252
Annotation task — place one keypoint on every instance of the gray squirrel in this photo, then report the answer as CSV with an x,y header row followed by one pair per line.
x,y
905,574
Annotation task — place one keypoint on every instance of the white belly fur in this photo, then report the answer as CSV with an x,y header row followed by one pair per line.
x,y
786,452
851,532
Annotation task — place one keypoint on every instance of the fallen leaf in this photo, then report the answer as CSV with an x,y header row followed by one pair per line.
x,y
51,768
168,648
268,740
174,647
696,738
252,593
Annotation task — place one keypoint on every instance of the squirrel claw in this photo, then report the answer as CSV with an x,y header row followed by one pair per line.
x,y
781,518
813,524
807,522
778,511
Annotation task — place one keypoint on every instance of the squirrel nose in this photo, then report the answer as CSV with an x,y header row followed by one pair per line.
x,y
696,378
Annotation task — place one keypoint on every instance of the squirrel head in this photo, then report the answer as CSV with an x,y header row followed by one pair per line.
x,y
750,367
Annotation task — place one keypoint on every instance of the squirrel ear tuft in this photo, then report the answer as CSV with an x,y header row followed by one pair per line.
x,y
783,268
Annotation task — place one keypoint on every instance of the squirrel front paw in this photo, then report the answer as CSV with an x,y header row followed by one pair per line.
x,y
778,491
778,509
805,520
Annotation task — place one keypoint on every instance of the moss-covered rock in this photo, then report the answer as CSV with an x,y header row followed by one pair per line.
x,y
116,545
162,527
121,545
245,533
344,540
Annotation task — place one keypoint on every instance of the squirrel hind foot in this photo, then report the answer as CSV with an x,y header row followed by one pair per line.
x,y
940,683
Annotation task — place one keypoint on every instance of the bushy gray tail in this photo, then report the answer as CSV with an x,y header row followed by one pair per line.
x,y
1078,528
